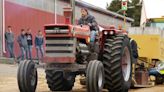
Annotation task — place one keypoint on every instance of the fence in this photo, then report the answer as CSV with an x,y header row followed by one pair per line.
x,y
146,30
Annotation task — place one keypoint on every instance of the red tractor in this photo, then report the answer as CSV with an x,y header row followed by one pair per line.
x,y
68,54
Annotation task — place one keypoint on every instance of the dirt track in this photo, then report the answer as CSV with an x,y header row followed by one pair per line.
x,y
8,82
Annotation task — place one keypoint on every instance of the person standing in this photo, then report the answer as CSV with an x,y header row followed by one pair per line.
x,y
9,37
22,41
134,47
39,41
30,43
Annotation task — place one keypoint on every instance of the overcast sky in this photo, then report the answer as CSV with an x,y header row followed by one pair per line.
x,y
99,3
154,8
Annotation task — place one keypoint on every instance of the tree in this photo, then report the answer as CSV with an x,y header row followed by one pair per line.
x,y
115,6
137,12
134,13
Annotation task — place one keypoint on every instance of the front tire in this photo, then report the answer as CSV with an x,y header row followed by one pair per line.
x,y
57,82
117,61
27,76
95,76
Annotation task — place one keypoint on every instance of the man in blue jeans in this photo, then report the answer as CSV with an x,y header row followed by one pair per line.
x,y
87,19
157,71
39,42
9,37
22,41
30,43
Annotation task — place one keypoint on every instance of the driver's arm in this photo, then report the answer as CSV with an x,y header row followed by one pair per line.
x,y
93,21
80,22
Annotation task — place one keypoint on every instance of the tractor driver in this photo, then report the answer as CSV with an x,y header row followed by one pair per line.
x,y
87,19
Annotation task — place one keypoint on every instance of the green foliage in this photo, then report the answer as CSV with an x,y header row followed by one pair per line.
x,y
114,6
134,12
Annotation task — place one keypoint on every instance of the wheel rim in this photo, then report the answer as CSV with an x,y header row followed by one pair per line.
x,y
100,79
33,77
126,64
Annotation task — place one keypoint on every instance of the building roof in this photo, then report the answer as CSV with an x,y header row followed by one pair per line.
x,y
110,13
157,20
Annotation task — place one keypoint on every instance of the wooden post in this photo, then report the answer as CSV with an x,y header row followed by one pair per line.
x,y
124,21
72,2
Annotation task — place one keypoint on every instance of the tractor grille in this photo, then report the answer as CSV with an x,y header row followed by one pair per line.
x,y
57,30
60,47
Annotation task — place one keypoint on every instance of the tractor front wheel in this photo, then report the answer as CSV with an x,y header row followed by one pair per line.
x,y
27,76
57,82
95,76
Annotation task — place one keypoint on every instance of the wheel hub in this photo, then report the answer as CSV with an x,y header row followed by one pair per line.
x,y
33,77
126,64
100,80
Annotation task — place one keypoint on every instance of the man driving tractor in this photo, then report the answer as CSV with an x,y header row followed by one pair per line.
x,y
87,19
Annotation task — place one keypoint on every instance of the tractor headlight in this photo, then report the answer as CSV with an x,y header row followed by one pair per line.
x,y
88,40
111,32
105,32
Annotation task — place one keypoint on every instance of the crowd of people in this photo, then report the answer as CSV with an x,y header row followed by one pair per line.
x,y
25,41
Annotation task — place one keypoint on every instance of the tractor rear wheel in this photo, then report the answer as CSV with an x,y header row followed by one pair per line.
x,y
117,61
57,82
27,76
95,76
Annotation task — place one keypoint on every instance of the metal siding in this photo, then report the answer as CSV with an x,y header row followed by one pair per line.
x,y
103,20
1,22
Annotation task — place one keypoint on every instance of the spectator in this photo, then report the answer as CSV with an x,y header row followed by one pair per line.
x,y
30,44
134,50
39,40
157,71
22,41
9,37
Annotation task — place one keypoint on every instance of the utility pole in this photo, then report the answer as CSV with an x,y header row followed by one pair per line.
x,y
72,2
124,20
55,12
1,26
124,9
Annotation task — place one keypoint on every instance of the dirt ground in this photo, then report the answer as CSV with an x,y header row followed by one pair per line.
x,y
8,82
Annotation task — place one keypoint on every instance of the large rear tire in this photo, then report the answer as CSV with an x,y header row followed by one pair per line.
x,y
27,76
95,76
57,82
117,60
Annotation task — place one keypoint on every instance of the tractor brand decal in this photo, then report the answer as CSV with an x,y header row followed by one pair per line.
x,y
58,31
